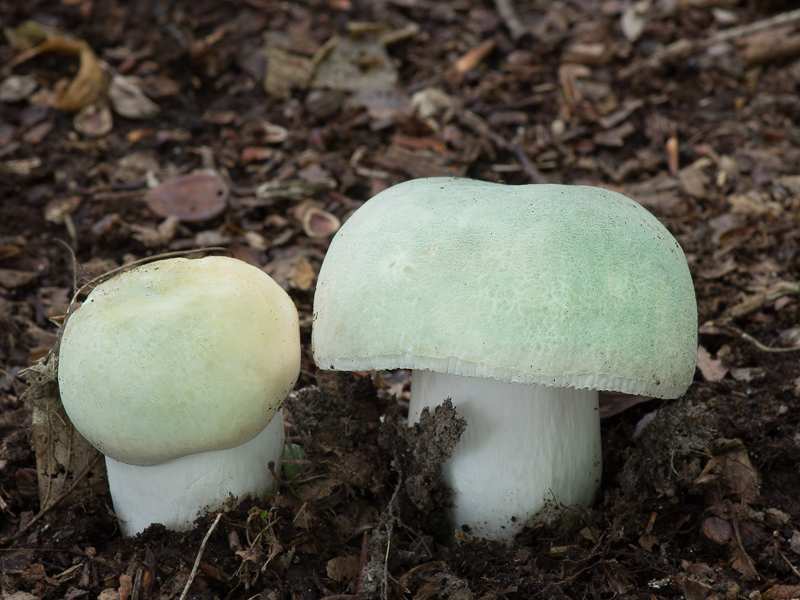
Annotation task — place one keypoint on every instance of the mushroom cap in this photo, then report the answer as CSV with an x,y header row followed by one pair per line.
x,y
178,357
550,284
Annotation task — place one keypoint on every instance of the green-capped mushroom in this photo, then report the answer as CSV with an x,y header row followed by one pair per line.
x,y
177,371
519,302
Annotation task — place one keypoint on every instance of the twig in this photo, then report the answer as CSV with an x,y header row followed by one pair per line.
x,y
393,518
141,261
732,330
505,8
683,48
754,303
55,502
791,566
199,556
480,127
735,522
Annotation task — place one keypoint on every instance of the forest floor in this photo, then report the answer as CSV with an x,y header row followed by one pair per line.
x,y
301,111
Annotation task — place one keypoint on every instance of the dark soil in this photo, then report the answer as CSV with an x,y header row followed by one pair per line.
x,y
700,127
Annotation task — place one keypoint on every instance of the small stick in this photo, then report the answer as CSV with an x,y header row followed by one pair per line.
x,y
715,327
685,47
754,303
199,556
480,127
505,8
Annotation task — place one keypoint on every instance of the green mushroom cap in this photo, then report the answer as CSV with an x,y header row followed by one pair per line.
x,y
179,357
558,285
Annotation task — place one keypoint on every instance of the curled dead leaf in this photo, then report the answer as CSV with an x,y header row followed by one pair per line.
x,y
94,120
91,82
319,223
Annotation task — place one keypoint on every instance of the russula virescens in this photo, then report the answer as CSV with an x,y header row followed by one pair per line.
x,y
176,371
520,303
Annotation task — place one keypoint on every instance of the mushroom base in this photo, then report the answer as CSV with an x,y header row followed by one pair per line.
x,y
177,492
529,454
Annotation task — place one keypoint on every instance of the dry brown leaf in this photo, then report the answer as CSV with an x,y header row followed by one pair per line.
x,y
712,369
94,120
729,473
129,100
91,82
10,278
473,57
285,72
16,88
694,179
717,529
319,223
343,568
735,469
304,275
196,196
742,563
782,592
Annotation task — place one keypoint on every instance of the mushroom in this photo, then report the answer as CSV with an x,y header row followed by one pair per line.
x,y
176,371
519,303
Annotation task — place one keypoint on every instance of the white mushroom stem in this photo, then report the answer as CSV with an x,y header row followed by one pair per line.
x,y
529,452
175,493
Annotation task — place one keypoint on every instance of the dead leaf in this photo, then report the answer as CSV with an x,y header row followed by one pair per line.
x,y
694,178
696,590
632,21
303,276
286,72
27,35
195,196
614,137
91,82
753,204
343,568
16,88
10,279
782,592
742,563
712,369
319,223
361,65
354,64
757,301
129,100
156,237
748,374
473,57
421,163
94,120
736,470
160,86
429,102
729,473
717,529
